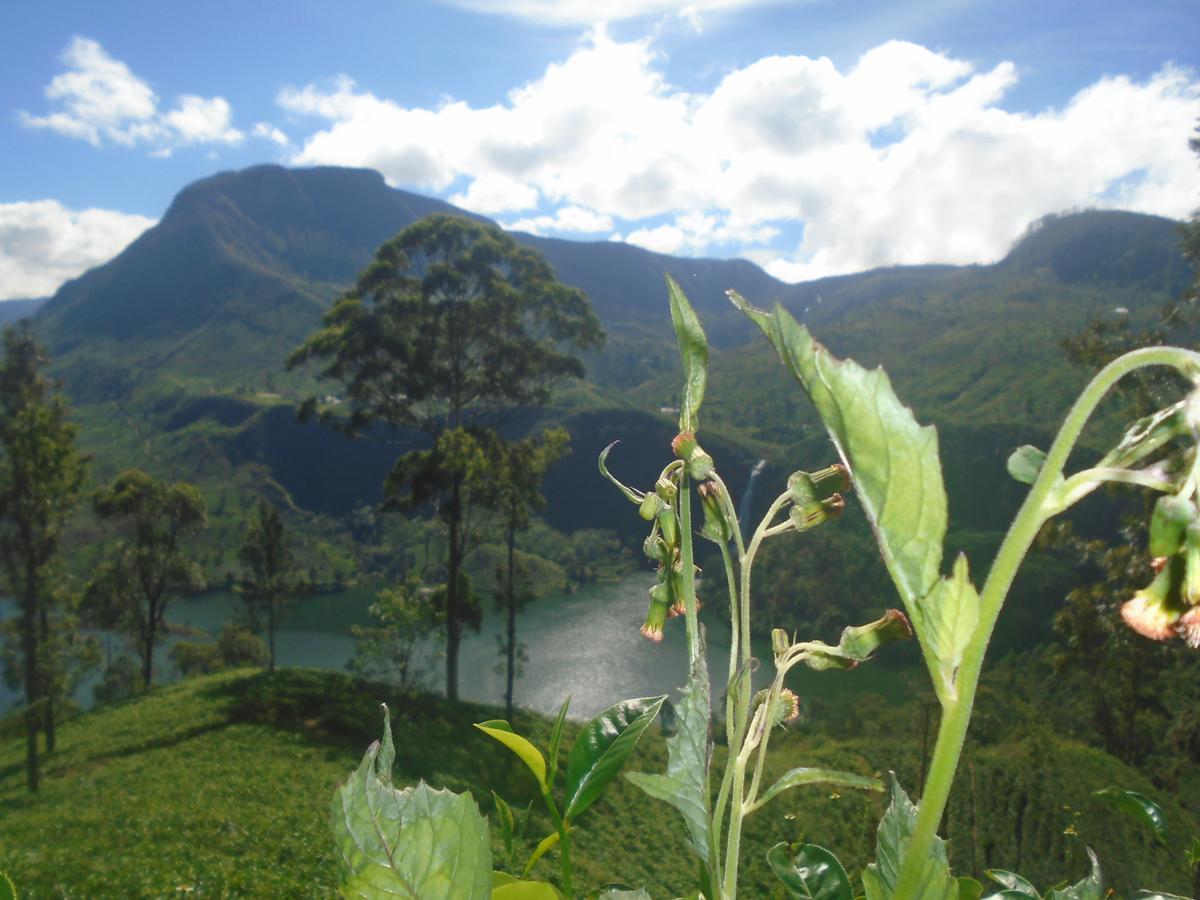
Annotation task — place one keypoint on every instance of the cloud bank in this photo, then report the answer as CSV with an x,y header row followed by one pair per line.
x,y
907,156
42,244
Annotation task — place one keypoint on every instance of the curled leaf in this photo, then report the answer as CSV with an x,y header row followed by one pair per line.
x,y
693,351
529,754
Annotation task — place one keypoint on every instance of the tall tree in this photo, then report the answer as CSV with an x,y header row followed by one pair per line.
x,y
515,481
268,579
452,324
42,476
151,563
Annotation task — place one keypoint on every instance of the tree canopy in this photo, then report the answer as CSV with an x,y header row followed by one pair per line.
x,y
451,326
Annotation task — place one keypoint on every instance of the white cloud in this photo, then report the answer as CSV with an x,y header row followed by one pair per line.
x,y
491,194
269,132
42,244
100,100
569,219
588,12
203,121
904,157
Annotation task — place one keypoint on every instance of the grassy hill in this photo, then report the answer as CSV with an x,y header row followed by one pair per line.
x,y
220,787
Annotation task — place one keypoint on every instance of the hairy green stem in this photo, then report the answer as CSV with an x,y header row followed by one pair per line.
x,y
1033,514
689,570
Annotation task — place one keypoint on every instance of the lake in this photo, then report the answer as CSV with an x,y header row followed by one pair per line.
x,y
586,644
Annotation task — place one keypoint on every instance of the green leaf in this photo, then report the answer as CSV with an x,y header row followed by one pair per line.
x,y
8,890
619,892
544,846
1139,807
529,754
415,842
1013,883
945,620
693,351
1025,463
802,776
810,872
893,461
508,822
685,786
526,890
1090,888
895,832
969,889
556,741
602,748
1157,895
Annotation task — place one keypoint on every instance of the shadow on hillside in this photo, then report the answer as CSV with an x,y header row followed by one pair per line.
x,y
341,714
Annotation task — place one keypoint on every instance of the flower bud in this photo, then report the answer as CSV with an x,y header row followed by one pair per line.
x,y
1172,515
1155,610
780,642
861,641
1191,559
699,464
1188,627
786,707
656,616
666,488
816,512
808,486
650,506
669,525
717,527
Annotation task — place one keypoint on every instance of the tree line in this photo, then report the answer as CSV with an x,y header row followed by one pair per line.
x,y
450,331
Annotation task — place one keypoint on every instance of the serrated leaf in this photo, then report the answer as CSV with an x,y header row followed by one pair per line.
x,y
894,833
526,890
1090,888
1025,463
415,842
556,741
1139,807
544,846
945,620
801,776
1011,881
893,461
810,872
693,352
602,748
685,786
528,754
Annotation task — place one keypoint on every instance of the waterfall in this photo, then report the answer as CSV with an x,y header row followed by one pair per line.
x,y
745,507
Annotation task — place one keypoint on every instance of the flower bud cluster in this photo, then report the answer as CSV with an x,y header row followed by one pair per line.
x,y
1170,605
816,497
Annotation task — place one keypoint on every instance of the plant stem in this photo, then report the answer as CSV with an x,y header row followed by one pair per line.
x,y
689,569
1033,514
564,843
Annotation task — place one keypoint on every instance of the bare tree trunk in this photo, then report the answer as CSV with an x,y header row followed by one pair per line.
x,y
511,643
453,563
33,678
148,644
47,692
271,635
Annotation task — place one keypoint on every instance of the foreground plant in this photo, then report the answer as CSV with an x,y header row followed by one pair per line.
x,y
893,466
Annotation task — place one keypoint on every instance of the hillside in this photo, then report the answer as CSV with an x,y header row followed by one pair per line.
x,y
220,787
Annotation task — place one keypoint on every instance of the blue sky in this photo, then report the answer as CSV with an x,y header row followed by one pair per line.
x,y
812,137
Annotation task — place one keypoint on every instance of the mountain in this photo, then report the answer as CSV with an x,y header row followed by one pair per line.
x,y
14,310
173,352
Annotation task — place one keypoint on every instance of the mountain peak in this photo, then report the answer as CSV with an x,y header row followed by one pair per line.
x,y
1101,246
